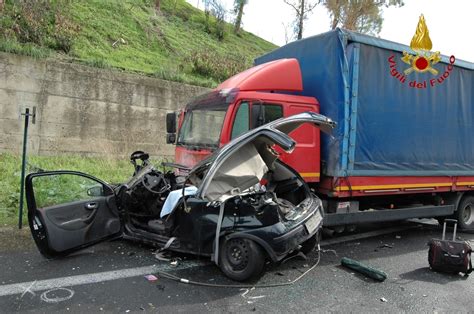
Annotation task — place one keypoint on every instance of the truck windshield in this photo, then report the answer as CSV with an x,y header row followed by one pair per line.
x,y
203,121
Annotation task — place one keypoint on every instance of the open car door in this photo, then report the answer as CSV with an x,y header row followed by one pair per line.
x,y
69,210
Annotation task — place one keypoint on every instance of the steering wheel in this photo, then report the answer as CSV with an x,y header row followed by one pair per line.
x,y
155,183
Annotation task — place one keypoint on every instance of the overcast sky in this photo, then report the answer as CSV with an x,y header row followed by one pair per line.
x,y
450,23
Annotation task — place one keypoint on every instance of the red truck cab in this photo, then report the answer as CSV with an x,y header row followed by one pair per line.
x,y
246,101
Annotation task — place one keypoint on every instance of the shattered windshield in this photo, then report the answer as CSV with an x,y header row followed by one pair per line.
x,y
203,121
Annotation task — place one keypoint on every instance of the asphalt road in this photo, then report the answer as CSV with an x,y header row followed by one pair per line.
x,y
109,277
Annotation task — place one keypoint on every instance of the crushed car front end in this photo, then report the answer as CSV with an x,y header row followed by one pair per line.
x,y
280,239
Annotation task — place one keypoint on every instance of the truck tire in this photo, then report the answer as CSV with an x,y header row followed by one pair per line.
x,y
241,259
465,213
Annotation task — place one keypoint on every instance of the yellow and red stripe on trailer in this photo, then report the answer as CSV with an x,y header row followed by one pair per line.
x,y
363,186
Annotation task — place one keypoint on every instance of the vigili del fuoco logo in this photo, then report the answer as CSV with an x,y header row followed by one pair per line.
x,y
422,61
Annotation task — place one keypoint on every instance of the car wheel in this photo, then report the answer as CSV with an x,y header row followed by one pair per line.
x,y
465,213
241,259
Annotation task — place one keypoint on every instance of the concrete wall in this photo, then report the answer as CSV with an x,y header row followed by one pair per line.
x,y
83,110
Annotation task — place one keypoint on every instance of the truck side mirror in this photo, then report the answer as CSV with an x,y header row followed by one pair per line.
x,y
171,128
171,122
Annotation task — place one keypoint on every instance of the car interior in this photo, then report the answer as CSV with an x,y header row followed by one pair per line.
x,y
146,194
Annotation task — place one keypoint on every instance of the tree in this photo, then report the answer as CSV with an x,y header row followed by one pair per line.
x,y
157,5
363,16
239,10
302,9
218,10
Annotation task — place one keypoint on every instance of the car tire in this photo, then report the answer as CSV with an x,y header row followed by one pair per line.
x,y
465,213
241,259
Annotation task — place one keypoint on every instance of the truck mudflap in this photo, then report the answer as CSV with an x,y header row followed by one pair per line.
x,y
387,215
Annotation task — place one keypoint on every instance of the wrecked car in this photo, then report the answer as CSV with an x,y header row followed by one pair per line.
x,y
241,206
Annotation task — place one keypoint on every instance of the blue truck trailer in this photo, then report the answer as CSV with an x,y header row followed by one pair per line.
x,y
405,130
389,123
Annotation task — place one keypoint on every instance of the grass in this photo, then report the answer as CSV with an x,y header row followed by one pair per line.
x,y
12,46
109,170
130,35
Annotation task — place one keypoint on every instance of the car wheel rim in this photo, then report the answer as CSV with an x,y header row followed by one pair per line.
x,y
467,215
237,254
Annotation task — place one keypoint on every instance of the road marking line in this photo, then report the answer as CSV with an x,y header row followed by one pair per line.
x,y
69,281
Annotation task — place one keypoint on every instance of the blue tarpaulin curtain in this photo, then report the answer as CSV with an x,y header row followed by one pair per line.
x,y
385,127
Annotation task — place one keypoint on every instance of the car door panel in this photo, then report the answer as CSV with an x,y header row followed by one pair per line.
x,y
59,223
70,226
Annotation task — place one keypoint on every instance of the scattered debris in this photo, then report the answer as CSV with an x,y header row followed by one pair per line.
x,y
424,295
160,287
174,263
383,299
151,278
330,251
364,269
398,237
162,256
120,40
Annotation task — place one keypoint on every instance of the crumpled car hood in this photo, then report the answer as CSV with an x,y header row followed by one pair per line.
x,y
242,162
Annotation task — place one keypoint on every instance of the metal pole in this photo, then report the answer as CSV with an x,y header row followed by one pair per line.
x,y
23,168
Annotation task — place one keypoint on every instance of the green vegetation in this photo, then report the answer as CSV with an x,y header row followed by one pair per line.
x,y
110,170
179,43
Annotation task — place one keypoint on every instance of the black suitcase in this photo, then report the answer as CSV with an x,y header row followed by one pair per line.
x,y
450,256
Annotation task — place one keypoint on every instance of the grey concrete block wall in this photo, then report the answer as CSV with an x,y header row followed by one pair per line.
x,y
84,110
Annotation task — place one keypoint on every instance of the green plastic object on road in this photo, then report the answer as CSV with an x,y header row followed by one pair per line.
x,y
364,269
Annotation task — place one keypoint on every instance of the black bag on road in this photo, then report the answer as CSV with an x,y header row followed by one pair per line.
x,y
450,256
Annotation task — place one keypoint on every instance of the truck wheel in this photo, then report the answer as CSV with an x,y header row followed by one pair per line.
x,y
465,213
241,259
